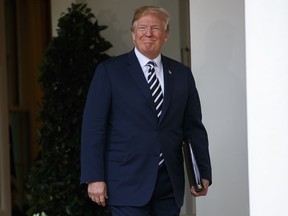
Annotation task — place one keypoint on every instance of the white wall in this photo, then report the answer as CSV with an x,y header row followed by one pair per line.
x,y
57,8
218,63
267,105
221,47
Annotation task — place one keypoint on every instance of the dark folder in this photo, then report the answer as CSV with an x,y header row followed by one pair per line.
x,y
191,166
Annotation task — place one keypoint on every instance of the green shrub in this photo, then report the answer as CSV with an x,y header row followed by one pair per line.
x,y
53,184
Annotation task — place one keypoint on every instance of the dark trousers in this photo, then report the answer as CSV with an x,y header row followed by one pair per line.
x,y
162,202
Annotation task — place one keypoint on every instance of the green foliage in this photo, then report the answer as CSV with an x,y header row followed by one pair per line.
x,y
53,184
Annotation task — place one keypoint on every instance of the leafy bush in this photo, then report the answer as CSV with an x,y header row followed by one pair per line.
x,y
66,71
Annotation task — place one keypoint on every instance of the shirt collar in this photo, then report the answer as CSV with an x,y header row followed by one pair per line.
x,y
143,60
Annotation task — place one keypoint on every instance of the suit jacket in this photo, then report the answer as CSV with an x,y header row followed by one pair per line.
x,y
122,137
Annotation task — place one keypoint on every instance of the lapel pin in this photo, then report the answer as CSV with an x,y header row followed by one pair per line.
x,y
170,72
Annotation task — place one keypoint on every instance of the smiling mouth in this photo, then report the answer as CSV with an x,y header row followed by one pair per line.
x,y
148,41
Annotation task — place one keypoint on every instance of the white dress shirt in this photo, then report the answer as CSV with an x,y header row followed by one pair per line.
x,y
143,60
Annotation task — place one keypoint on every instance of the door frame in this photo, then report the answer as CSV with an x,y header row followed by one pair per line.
x,y
5,185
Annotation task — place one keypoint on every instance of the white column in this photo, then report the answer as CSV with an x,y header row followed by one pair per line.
x,y
218,63
242,76
267,105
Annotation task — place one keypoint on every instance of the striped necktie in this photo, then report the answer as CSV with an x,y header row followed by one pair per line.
x,y
155,88
157,96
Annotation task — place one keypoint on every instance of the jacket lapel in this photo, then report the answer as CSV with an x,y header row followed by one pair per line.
x,y
136,72
168,87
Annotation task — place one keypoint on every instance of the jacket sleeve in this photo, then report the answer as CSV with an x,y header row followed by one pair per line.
x,y
95,118
195,131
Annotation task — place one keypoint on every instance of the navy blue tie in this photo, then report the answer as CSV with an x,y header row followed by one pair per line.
x,y
155,88
157,96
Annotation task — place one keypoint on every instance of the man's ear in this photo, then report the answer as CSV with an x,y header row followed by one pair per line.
x,y
167,34
133,36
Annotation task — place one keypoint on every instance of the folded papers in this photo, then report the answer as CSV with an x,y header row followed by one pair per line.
x,y
191,166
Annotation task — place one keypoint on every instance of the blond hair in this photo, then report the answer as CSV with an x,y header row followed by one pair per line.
x,y
142,11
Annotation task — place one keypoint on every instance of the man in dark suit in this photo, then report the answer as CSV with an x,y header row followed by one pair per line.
x,y
140,107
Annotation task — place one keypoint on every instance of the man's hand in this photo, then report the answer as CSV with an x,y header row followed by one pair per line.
x,y
202,192
97,192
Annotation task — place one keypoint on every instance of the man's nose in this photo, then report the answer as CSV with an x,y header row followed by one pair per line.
x,y
148,31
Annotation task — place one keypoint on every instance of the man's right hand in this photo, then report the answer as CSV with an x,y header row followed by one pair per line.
x,y
97,191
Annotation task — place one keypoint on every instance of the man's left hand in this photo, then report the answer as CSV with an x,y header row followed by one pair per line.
x,y
203,191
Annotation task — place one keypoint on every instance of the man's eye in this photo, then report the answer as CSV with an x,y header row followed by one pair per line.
x,y
142,28
155,28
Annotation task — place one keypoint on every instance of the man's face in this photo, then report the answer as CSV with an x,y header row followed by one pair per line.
x,y
149,35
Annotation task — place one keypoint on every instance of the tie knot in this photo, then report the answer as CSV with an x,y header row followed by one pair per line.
x,y
151,64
